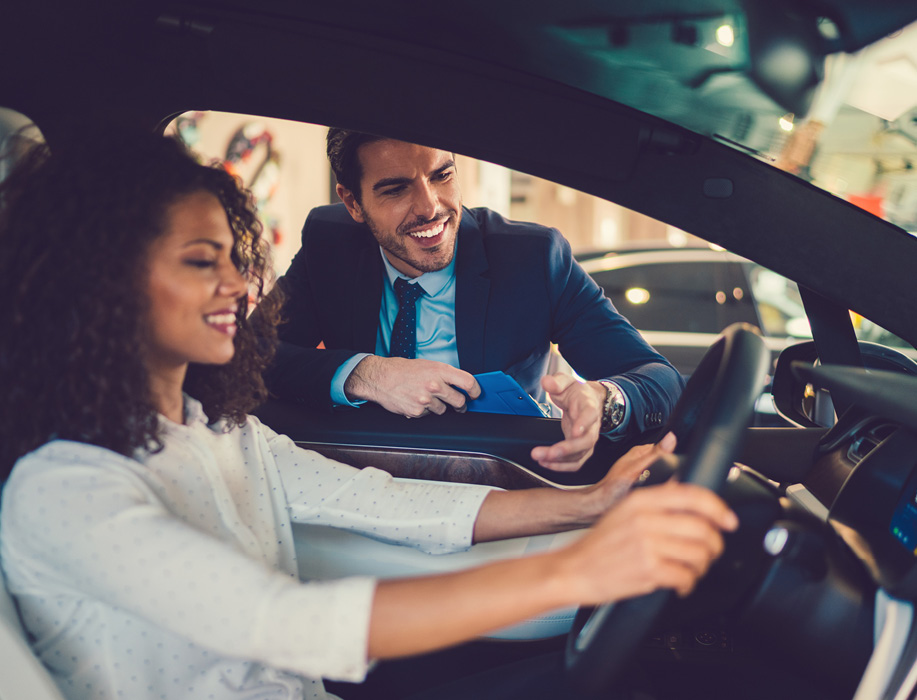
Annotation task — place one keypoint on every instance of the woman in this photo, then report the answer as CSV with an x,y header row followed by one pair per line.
x,y
145,530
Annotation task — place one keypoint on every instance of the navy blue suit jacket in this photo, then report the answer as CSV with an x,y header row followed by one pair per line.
x,y
518,289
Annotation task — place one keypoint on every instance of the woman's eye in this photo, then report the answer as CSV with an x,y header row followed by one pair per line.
x,y
200,263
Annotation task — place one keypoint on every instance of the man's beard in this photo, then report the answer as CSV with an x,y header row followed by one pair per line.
x,y
396,244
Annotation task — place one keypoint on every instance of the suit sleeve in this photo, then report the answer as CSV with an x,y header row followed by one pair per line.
x,y
599,343
301,371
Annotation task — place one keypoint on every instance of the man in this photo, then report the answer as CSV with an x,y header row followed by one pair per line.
x,y
493,295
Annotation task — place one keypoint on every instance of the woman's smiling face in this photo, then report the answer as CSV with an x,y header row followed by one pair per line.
x,y
194,288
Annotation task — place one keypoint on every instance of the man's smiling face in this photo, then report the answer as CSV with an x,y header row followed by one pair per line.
x,y
411,202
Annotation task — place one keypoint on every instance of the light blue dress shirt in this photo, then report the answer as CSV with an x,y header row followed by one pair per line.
x,y
435,323
435,329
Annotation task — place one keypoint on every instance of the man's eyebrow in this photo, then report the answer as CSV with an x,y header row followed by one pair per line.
x,y
390,181
444,167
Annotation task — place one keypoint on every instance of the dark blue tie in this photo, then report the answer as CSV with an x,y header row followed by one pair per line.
x,y
404,332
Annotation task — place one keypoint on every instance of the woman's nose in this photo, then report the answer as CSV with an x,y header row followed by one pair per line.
x,y
233,283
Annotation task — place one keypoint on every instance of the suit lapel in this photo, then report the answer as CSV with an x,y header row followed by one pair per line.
x,y
367,297
472,290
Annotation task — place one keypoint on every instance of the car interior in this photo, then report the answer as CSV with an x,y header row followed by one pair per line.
x,y
814,596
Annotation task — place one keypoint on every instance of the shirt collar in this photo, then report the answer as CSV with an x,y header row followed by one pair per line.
x,y
194,414
194,411
432,282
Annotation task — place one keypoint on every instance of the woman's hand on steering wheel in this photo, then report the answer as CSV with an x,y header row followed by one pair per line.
x,y
662,536
629,467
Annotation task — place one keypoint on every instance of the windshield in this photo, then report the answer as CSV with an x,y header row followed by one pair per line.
x,y
854,135
859,139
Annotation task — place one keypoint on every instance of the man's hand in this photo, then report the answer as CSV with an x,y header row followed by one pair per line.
x,y
582,404
410,388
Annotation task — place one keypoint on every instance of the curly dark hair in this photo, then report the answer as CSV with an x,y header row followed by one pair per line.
x,y
75,228
341,145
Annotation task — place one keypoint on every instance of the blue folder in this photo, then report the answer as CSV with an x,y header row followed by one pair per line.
x,y
500,393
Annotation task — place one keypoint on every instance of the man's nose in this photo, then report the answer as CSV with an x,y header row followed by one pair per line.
x,y
426,202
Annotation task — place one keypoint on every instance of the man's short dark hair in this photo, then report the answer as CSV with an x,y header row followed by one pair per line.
x,y
342,146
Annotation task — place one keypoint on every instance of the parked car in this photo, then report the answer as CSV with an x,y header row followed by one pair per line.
x,y
668,108
681,299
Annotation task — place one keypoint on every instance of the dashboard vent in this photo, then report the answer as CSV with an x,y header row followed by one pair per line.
x,y
868,440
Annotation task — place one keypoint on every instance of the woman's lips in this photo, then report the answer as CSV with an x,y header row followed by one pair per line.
x,y
222,321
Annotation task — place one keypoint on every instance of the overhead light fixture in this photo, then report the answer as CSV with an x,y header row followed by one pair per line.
x,y
786,53
725,35
787,121
637,295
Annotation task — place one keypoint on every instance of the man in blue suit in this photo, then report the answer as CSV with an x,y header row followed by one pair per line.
x,y
492,295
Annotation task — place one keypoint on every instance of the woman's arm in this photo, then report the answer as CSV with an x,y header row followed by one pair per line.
x,y
539,511
660,537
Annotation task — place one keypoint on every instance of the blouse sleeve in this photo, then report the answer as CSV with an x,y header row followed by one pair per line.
x,y
433,516
79,520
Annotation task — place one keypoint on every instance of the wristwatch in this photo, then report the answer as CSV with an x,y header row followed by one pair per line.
x,y
615,407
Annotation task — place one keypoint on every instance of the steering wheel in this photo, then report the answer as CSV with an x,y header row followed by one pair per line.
x,y
709,420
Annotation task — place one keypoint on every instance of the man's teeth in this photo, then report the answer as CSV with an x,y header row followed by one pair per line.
x,y
429,233
220,319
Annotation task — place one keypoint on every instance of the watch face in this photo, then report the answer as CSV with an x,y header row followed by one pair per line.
x,y
613,412
617,411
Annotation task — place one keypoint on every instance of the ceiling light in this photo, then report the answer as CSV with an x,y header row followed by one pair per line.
x,y
725,35
786,121
637,295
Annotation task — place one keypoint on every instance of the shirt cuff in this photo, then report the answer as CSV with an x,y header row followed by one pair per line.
x,y
338,397
320,629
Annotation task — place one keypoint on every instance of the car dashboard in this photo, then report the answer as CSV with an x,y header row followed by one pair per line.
x,y
844,552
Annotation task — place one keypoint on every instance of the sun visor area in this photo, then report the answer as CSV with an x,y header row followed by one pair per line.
x,y
430,96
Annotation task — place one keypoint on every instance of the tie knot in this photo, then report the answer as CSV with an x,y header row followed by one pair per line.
x,y
407,293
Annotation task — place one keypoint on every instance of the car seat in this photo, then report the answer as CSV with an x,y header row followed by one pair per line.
x,y
22,675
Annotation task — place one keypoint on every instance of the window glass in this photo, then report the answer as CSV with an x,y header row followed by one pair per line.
x,y
282,162
782,313
869,331
739,305
685,297
779,304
